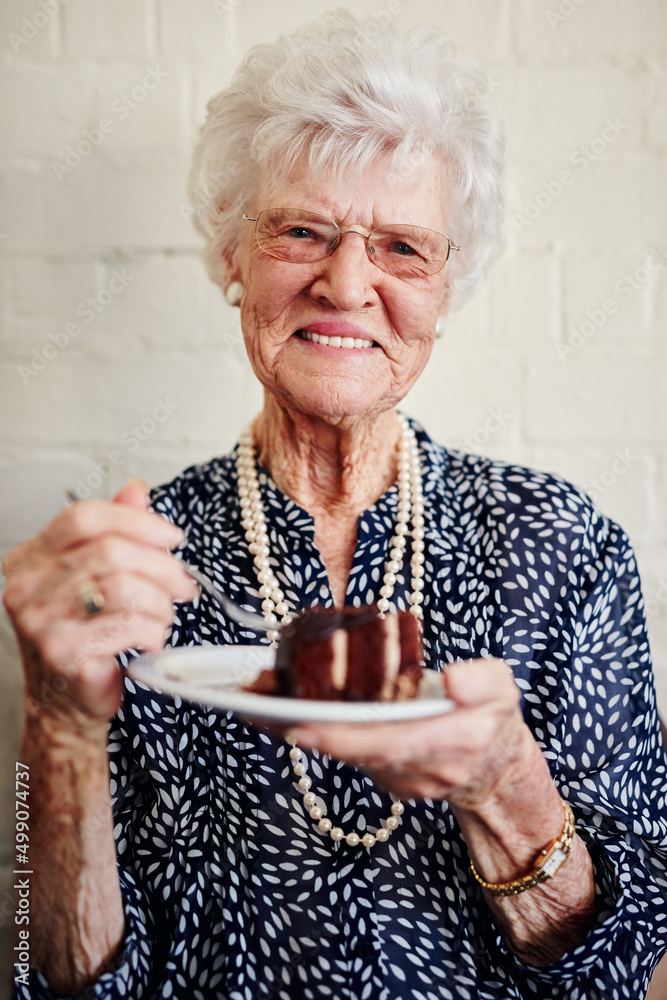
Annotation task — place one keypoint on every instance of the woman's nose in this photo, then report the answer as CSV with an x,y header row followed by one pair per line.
x,y
347,278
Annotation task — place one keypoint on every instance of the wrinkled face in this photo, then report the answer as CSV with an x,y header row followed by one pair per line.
x,y
344,296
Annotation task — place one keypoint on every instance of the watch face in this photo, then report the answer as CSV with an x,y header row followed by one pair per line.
x,y
553,862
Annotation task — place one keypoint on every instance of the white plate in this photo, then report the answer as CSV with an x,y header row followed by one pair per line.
x,y
215,675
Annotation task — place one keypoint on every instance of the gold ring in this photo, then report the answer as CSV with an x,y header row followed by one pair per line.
x,y
90,597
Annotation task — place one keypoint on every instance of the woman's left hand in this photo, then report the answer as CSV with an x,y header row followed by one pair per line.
x,y
483,760
462,756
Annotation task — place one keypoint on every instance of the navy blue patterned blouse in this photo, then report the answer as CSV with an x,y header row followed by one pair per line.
x,y
231,891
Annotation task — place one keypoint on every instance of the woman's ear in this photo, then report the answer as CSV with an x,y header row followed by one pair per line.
x,y
233,293
234,260
445,298
232,278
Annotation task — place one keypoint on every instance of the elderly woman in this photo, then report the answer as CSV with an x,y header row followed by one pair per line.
x,y
349,197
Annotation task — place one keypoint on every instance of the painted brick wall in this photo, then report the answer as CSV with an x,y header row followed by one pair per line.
x,y
112,340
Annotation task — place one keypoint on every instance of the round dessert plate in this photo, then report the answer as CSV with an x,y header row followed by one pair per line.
x,y
216,676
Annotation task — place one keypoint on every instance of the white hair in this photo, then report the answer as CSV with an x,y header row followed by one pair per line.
x,y
343,92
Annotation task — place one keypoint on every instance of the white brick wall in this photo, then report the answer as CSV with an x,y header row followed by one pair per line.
x,y
168,335
101,31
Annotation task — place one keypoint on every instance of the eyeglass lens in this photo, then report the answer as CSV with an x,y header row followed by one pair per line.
x,y
303,237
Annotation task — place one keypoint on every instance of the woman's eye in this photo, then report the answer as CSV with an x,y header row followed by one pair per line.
x,y
300,233
403,249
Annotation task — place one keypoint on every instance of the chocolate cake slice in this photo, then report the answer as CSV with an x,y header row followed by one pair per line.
x,y
352,654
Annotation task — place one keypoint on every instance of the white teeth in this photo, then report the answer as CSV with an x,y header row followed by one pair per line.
x,y
319,338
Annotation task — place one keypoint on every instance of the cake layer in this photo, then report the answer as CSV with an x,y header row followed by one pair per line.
x,y
349,655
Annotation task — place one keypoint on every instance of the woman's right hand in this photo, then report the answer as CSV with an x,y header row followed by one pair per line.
x,y
119,547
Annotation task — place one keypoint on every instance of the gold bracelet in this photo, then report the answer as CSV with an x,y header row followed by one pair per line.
x,y
547,863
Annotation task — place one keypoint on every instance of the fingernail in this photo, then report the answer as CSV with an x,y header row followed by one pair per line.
x,y
173,532
302,737
138,481
173,536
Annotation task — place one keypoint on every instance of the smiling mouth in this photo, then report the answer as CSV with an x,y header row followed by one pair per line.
x,y
348,342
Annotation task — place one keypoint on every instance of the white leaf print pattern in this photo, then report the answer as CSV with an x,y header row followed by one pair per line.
x,y
231,892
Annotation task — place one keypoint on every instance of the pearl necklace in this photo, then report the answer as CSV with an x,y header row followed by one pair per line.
x,y
274,606
324,824
410,502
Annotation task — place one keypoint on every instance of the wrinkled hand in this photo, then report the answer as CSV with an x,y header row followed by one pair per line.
x,y
69,656
461,756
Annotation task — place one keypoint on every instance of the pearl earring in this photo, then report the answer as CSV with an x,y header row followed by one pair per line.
x,y
233,293
438,329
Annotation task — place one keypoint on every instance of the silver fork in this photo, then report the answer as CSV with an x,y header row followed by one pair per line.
x,y
230,607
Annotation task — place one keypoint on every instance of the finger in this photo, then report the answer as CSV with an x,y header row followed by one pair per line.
x,y
135,493
378,743
83,522
479,682
407,785
123,591
118,591
45,576
76,643
455,736
107,555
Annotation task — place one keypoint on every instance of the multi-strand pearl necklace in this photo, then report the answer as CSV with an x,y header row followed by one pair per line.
x,y
410,506
274,606
324,824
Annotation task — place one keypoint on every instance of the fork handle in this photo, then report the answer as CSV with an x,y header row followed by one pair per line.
x,y
230,607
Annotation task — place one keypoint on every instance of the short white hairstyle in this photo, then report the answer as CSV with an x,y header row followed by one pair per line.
x,y
343,92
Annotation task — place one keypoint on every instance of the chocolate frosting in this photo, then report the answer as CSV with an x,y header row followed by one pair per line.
x,y
319,623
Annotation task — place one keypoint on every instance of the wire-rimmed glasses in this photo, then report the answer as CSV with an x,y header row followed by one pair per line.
x,y
301,237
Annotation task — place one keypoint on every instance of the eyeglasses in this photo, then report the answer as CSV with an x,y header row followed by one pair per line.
x,y
301,237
